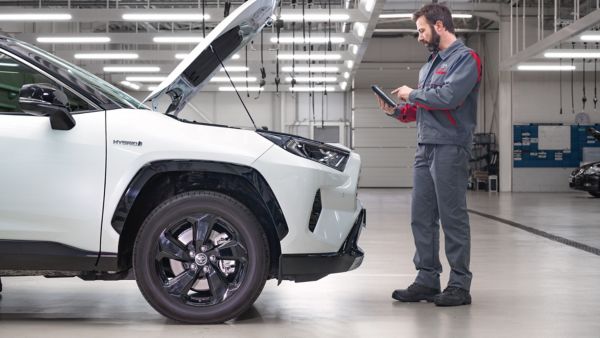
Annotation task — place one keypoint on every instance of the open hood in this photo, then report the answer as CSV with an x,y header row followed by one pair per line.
x,y
233,33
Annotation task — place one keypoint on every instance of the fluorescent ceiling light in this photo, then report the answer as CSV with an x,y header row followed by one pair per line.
x,y
235,69
572,54
2,64
233,78
35,17
306,56
311,89
235,56
545,67
164,17
146,78
317,39
354,49
395,15
177,39
130,85
131,69
241,89
312,79
315,17
346,75
107,56
73,39
349,64
343,85
180,56
152,88
590,37
409,16
312,69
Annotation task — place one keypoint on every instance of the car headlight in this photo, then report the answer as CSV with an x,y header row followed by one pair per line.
x,y
325,154
592,170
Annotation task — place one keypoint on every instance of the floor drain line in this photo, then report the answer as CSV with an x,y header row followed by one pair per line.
x,y
559,239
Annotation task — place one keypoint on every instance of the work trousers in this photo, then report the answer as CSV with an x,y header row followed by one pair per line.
x,y
439,194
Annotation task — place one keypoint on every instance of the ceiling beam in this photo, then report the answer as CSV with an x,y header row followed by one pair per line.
x,y
552,40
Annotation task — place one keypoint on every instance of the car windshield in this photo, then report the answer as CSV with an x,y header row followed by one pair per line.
x,y
112,92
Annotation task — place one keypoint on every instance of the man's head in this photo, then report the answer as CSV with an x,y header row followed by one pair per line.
x,y
435,26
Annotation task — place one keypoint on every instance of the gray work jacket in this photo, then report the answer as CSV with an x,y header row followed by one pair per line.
x,y
445,102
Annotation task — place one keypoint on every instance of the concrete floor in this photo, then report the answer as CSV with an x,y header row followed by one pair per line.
x,y
524,285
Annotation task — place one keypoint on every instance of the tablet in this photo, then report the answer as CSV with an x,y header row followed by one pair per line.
x,y
384,96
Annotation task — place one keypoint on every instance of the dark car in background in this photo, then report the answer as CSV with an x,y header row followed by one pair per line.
x,y
587,177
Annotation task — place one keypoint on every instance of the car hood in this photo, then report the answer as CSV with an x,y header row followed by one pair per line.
x,y
233,33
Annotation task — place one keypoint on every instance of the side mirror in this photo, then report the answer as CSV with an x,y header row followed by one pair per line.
x,y
43,99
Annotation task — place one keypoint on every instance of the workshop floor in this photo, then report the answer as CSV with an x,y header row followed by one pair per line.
x,y
524,285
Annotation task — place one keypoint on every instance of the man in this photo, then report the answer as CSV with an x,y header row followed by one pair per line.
x,y
444,106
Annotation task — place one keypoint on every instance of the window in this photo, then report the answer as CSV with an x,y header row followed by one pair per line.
x,y
14,74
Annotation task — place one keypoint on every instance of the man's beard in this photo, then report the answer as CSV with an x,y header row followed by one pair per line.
x,y
434,45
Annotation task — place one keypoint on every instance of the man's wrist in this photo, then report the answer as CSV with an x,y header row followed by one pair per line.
x,y
411,96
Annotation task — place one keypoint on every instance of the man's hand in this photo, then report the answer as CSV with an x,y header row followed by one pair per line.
x,y
402,92
384,106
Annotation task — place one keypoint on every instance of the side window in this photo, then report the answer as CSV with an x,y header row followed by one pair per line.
x,y
14,74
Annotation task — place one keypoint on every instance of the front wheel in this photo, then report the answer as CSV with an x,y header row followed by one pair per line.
x,y
201,257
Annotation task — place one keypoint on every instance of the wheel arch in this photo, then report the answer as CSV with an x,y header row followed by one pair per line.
x,y
157,181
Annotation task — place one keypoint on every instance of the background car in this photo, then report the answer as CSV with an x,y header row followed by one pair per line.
x,y
587,177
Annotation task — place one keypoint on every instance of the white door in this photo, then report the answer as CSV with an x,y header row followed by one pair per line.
x,y
51,181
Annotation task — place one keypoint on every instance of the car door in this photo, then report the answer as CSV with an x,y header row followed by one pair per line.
x,y
51,181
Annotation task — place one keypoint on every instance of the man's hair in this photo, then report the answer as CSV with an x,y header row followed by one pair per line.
x,y
434,13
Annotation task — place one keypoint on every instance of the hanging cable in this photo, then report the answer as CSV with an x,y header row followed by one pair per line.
x,y
560,84
277,80
303,25
324,77
329,48
595,79
583,99
263,72
293,54
247,91
203,18
572,93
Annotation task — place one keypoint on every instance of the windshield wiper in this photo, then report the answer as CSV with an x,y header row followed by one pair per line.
x,y
234,88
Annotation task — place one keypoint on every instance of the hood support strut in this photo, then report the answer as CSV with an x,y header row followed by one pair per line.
x,y
233,84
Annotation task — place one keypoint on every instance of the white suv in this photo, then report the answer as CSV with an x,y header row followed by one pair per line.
x,y
95,185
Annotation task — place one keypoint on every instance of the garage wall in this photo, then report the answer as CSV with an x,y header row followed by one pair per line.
x,y
536,99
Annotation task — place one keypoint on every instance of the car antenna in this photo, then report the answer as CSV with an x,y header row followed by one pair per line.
x,y
233,84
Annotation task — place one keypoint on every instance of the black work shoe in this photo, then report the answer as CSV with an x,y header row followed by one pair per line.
x,y
415,293
453,296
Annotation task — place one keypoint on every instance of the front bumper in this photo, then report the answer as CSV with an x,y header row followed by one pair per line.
x,y
311,267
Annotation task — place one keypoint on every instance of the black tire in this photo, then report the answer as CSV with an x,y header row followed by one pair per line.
x,y
595,193
190,281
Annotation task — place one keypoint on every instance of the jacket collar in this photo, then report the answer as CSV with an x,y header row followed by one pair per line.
x,y
446,52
